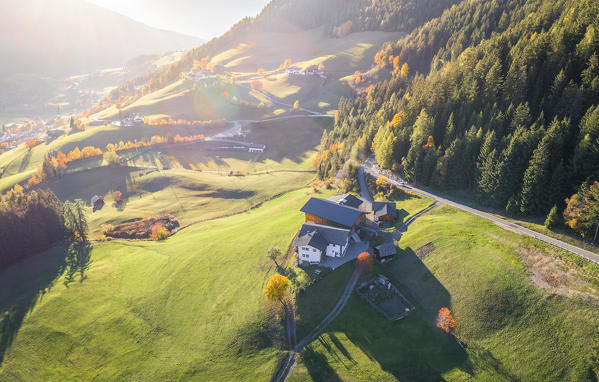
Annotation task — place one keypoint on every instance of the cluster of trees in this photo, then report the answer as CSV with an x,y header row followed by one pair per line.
x,y
340,17
55,165
328,161
30,143
506,107
582,211
32,221
169,121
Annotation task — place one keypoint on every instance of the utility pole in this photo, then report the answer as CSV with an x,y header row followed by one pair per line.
x,y
596,232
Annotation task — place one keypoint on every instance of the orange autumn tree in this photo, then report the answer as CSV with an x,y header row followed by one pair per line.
x,y
30,143
445,320
364,262
117,196
159,232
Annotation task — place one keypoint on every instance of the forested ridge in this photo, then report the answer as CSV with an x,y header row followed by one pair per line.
x,y
501,100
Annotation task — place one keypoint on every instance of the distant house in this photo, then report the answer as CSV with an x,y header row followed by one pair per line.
x,y
256,148
293,71
311,70
314,240
97,202
385,251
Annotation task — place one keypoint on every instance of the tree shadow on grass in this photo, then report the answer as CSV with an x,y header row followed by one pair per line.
x,y
77,262
25,161
409,349
25,284
318,366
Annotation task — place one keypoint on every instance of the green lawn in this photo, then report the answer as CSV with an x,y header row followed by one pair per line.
x,y
190,196
512,330
190,307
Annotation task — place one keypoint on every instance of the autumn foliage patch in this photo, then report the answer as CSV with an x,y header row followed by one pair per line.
x,y
445,320
364,262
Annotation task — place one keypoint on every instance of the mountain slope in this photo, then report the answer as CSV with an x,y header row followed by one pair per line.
x,y
507,111
64,37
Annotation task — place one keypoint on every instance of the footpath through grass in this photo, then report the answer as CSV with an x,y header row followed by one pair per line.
x,y
188,308
512,329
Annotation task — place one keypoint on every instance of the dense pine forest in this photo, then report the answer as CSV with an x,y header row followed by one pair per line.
x,y
501,99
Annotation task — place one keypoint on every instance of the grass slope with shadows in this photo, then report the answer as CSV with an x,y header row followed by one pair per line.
x,y
188,308
512,330
25,285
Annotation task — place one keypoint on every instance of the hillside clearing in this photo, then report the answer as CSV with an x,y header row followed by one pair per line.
x,y
512,329
190,307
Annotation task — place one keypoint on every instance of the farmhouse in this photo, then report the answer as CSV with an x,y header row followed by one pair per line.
x,y
97,202
316,239
332,225
375,211
322,211
293,71
256,148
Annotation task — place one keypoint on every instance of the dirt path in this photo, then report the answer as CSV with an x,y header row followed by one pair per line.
x,y
291,359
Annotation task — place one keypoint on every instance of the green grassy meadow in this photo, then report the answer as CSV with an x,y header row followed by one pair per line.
x,y
21,163
190,307
512,330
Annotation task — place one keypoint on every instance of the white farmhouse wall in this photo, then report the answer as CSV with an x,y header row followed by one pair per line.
x,y
310,254
336,250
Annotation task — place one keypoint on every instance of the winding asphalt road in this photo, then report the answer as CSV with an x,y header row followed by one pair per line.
x,y
370,167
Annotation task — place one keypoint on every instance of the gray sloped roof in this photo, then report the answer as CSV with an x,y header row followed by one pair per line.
x,y
384,208
347,200
319,233
332,211
312,238
352,201
386,249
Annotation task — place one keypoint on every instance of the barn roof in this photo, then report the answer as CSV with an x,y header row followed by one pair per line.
x,y
337,213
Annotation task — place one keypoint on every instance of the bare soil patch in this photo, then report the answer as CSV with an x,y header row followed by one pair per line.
x,y
558,275
425,250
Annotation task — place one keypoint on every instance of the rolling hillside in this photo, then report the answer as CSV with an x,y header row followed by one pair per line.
x,y
191,306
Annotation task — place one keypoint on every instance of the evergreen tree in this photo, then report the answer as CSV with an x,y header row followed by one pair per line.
x,y
552,218
534,197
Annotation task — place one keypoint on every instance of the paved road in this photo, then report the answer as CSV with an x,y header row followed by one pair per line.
x,y
372,169
363,188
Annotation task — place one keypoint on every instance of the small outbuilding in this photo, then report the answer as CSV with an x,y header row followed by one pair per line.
x,y
97,202
385,251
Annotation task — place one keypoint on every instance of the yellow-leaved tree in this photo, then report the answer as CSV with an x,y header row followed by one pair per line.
x,y
276,288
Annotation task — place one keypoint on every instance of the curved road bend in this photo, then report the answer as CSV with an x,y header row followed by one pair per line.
x,y
369,167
